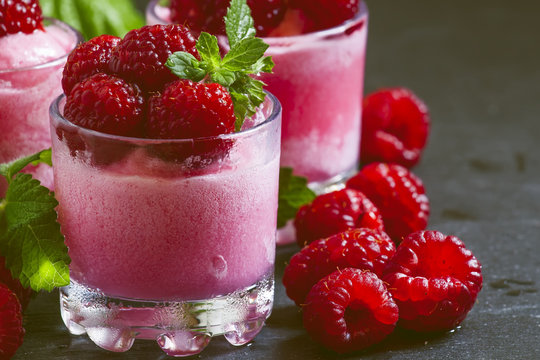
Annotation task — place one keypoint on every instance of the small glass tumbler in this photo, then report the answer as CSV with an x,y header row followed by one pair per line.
x,y
170,240
27,91
319,80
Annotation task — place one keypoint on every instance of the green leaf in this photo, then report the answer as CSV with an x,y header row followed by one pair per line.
x,y
264,64
208,48
185,66
30,237
223,77
293,194
242,107
238,22
244,54
8,170
93,18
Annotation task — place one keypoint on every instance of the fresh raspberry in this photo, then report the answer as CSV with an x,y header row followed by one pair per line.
x,y
349,310
88,58
190,110
207,15
11,329
333,213
22,293
20,16
327,13
395,127
434,279
363,248
107,104
398,194
141,55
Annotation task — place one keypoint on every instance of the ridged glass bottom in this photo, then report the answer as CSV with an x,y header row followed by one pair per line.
x,y
180,328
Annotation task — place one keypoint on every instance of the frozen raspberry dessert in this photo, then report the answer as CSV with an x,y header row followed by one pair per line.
x,y
33,54
170,154
434,280
349,310
363,248
333,213
398,194
319,51
395,127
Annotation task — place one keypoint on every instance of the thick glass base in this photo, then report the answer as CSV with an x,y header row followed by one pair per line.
x,y
181,328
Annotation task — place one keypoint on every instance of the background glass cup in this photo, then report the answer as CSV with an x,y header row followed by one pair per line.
x,y
171,240
25,96
319,80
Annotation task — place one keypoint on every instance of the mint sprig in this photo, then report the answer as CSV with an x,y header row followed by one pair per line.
x,y
30,237
293,194
245,58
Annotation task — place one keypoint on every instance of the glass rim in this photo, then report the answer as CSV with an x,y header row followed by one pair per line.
x,y
312,36
54,112
53,62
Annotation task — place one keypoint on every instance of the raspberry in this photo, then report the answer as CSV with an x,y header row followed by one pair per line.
x,y
207,15
349,310
187,110
395,127
190,110
327,13
141,55
22,293
107,104
333,213
398,194
87,59
363,248
434,279
11,330
20,16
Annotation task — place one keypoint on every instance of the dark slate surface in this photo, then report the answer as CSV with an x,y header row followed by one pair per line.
x,y
477,65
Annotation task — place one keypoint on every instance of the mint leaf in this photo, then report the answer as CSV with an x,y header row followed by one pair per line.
x,y
244,54
293,194
223,77
265,64
8,170
208,48
238,22
185,66
93,18
30,237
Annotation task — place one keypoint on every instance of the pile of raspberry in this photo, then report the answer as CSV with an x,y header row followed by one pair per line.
x,y
367,264
122,87
271,17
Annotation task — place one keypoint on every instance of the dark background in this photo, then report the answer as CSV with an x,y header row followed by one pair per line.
x,y
477,66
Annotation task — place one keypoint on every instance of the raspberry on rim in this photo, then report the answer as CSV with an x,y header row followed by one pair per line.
x,y
333,213
20,16
349,310
434,280
141,55
363,248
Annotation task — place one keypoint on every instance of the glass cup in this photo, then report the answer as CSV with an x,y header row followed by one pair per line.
x,y
170,240
319,80
27,91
